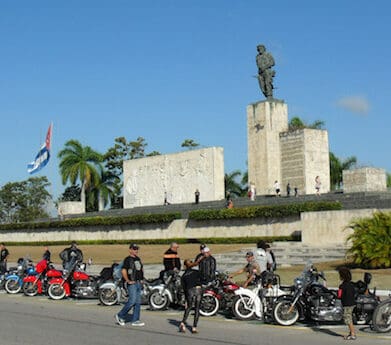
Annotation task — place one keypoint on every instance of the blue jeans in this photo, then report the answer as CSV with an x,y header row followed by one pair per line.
x,y
134,301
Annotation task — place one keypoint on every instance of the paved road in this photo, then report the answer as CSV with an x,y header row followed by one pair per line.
x,y
38,320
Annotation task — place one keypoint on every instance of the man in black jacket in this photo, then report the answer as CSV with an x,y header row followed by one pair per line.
x,y
71,255
207,266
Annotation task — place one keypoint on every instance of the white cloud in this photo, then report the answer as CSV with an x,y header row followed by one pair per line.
x,y
354,104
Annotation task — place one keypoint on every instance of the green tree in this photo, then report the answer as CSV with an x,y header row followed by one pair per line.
x,y
336,168
232,185
190,144
24,201
80,163
388,180
371,241
296,123
71,193
102,192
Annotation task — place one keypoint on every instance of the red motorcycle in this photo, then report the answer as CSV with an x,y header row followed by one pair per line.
x,y
75,282
218,295
39,282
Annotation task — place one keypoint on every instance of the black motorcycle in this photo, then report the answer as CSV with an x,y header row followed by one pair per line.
x,y
381,320
312,301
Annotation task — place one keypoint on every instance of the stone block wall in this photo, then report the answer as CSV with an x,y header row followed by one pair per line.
x,y
364,180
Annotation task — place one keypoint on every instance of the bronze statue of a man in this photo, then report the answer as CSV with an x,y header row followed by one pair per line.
x,y
265,62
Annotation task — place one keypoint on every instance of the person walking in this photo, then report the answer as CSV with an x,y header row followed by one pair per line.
x,y
346,293
133,275
4,253
191,283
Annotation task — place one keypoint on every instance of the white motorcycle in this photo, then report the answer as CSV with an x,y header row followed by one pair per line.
x,y
258,302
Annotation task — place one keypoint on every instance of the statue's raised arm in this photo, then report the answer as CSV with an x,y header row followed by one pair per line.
x,y
265,62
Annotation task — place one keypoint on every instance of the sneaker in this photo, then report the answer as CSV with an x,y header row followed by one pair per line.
x,y
120,321
138,323
350,337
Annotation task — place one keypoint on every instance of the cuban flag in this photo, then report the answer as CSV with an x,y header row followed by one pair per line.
x,y
43,156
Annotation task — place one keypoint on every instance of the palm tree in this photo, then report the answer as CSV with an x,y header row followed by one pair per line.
x,y
105,189
231,185
80,163
336,168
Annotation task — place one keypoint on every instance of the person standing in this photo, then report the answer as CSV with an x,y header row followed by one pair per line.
x,y
4,253
71,255
207,266
46,254
191,283
317,185
197,196
346,293
288,190
171,260
133,275
277,188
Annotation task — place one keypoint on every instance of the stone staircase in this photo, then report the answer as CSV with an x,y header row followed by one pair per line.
x,y
286,253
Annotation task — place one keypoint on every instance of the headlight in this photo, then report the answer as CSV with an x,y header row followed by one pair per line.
x,y
298,283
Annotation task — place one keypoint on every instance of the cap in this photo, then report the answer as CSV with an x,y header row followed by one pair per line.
x,y
206,249
249,254
133,246
202,246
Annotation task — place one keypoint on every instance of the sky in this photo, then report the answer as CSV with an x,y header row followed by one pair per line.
x,y
184,69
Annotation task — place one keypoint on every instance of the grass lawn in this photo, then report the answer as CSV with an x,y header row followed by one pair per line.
x,y
152,254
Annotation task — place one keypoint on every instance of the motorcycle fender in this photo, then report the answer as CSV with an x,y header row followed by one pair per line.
x,y
107,285
66,286
163,291
30,279
257,302
212,292
12,277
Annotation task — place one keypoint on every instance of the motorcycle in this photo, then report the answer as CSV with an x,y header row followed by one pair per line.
x,y
313,301
218,295
75,282
114,291
381,320
38,283
259,301
169,291
14,280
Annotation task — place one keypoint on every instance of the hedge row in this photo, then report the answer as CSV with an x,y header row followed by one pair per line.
x,y
95,221
277,211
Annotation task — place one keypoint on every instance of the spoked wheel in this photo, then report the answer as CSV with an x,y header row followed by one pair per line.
x,y
108,296
56,291
30,289
382,317
209,305
158,301
285,314
12,286
243,308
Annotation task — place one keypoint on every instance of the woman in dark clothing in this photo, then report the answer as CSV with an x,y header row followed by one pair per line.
x,y
191,283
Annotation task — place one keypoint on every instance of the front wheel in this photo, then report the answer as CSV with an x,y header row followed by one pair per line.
x,y
108,296
382,317
285,313
56,291
30,289
243,308
158,301
12,286
209,304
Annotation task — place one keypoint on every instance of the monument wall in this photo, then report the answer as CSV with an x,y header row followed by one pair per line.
x,y
364,180
148,181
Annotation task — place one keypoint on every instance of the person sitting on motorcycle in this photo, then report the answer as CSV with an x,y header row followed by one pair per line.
x,y
252,270
71,255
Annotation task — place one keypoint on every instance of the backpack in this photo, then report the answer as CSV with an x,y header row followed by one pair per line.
x,y
117,271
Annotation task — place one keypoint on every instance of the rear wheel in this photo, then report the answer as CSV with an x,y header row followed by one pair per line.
x,y
108,296
209,304
30,289
285,313
12,286
243,308
382,317
56,291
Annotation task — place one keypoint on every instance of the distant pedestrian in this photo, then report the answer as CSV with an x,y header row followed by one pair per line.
x,y
4,253
166,202
230,204
277,188
296,191
46,254
197,196
252,191
317,185
133,275
288,190
346,293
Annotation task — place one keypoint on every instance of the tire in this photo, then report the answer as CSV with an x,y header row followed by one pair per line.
x,y
283,316
56,291
30,289
158,301
381,319
108,296
12,286
242,308
209,305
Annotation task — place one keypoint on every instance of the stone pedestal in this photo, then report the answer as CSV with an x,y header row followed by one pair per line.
x,y
70,207
364,180
265,121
